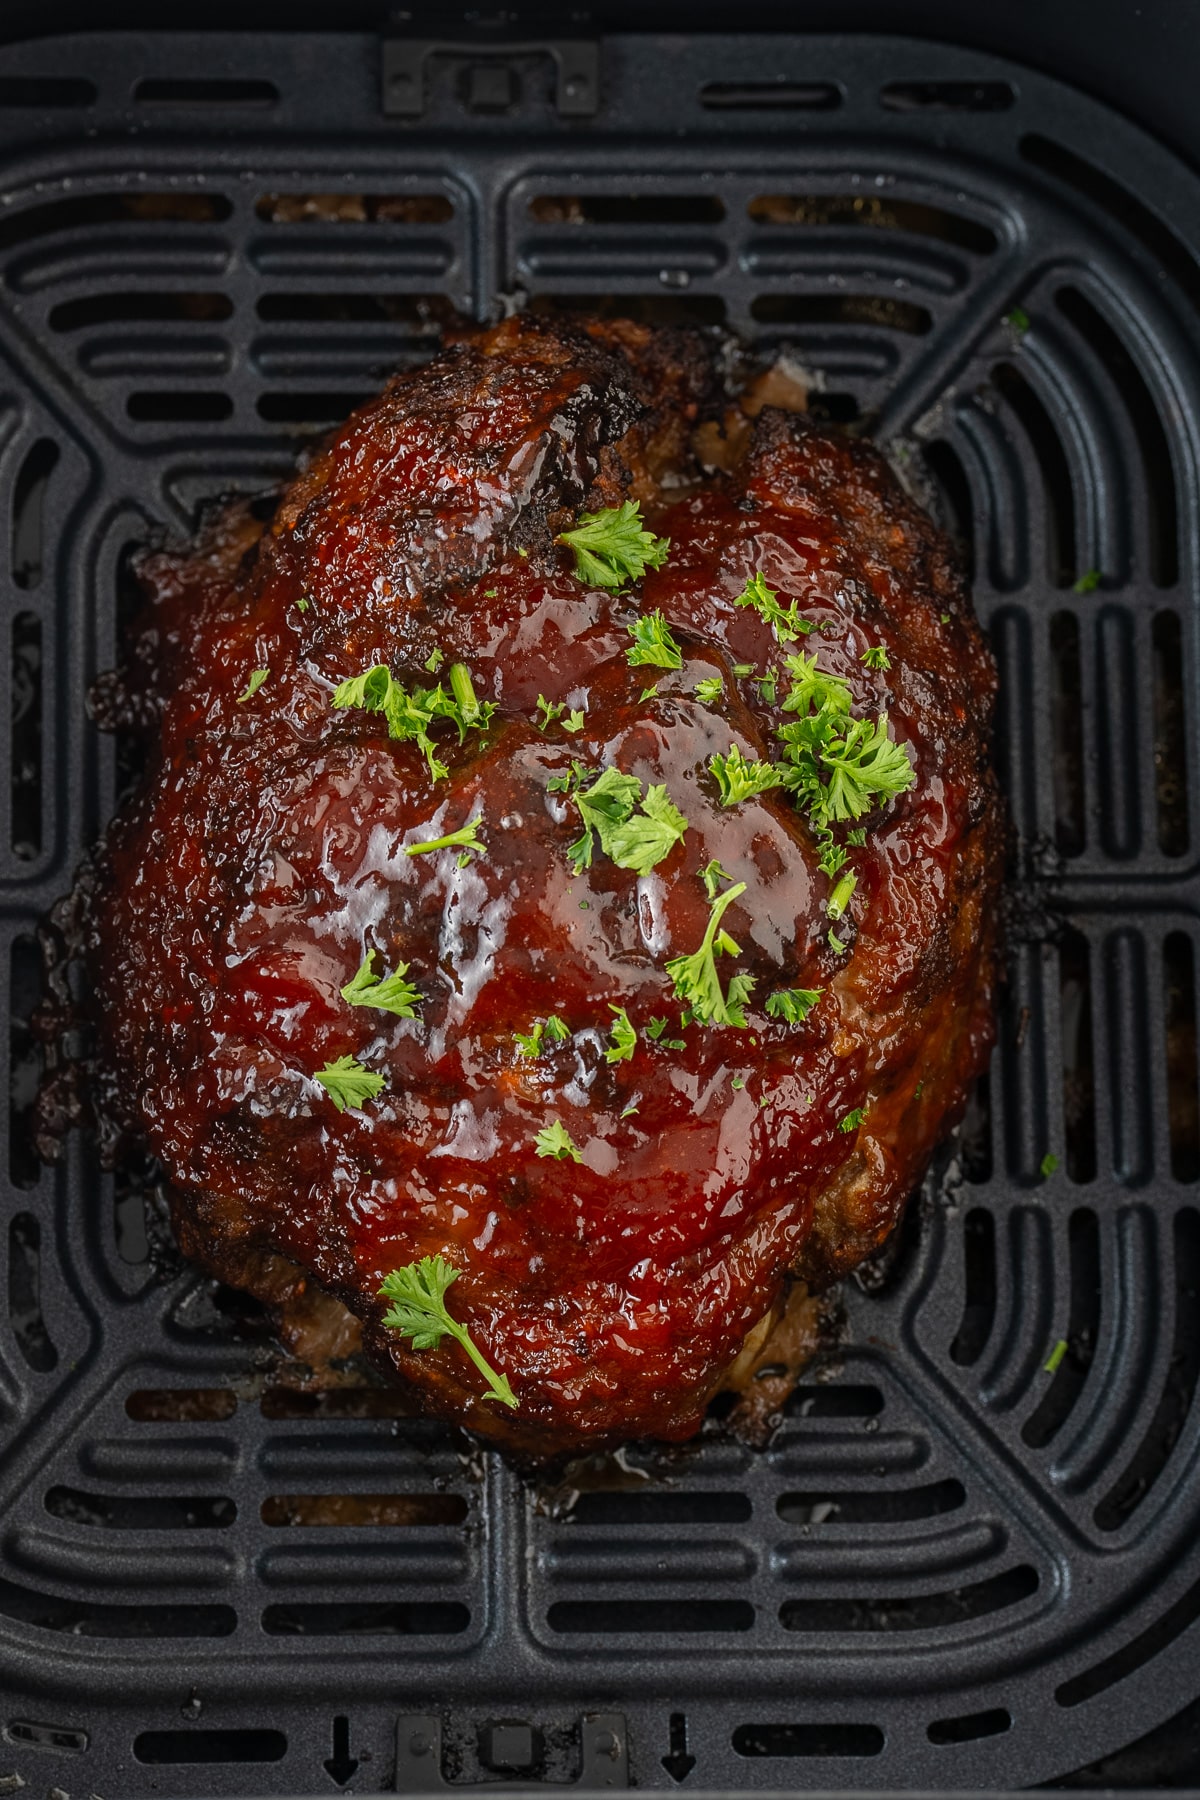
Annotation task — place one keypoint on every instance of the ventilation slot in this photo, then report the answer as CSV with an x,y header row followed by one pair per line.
x,y
975,1134
25,1295
954,492
833,1402
627,209
246,1746
132,308
87,1618
968,1727
637,1617
947,96
1170,735
191,408
391,1618
877,310
1058,510
647,309
24,1062
1131,1065
979,1281
307,409
659,1508
46,1737
871,210
25,776
355,1510
919,1612
421,313
1083,1236
1183,1074
1179,1389
1134,1655
1162,511
205,92
1117,735
178,1405
1078,1071
1066,716
354,209
142,1512
887,1507
335,1403
808,1740
47,90
28,511
770,96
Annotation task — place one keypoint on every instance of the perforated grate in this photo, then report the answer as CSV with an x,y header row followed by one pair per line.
x,y
971,1554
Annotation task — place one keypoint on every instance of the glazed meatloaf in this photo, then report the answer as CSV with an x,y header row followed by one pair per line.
x,y
559,912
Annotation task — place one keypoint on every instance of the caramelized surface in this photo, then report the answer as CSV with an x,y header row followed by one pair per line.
x,y
265,855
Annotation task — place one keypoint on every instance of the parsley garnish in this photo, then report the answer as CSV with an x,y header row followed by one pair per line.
x,y
792,1005
258,676
434,660
768,687
876,657
624,1037
738,776
857,837
553,1029
1054,1361
649,693
785,620
695,977
634,839
1049,1164
390,993
835,942
465,838
549,710
574,720
839,766
1088,582
653,643
712,875
410,715
302,604
709,690
612,547
347,1083
743,668
838,901
555,1140
1018,318
418,1310
852,1120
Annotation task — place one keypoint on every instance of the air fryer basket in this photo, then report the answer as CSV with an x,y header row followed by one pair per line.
x,y
971,1554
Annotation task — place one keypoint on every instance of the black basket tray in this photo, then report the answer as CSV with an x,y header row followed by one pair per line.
x,y
971,1554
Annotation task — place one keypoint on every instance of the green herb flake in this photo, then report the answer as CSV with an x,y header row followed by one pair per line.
x,y
743,669
258,676
655,1029
918,1090
712,875
876,657
792,1005
555,1140
739,777
434,660
695,976
835,942
1087,583
945,618
738,1083
557,1030
410,716
857,837
418,1311
302,604
649,693
490,593
624,1037
636,832
653,643
574,720
852,1120
768,688
1049,1164
838,901
784,620
612,547
1017,318
466,838
348,1084
388,993
549,711
1054,1361
629,1112
709,690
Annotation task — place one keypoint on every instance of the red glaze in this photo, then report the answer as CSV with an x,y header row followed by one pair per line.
x,y
265,855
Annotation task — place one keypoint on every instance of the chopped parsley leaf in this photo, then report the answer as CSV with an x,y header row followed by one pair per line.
x,y
739,777
838,901
709,690
743,668
418,1311
768,687
695,976
857,837
792,1005
612,547
302,604
634,839
1049,1164
852,1120
653,643
876,657
555,1140
712,875
465,838
553,1030
1018,318
574,720
549,711
835,942
390,993
785,620
348,1084
1088,582
1054,1361
624,1037
557,1030
257,677
434,660
649,693
655,1029
410,716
